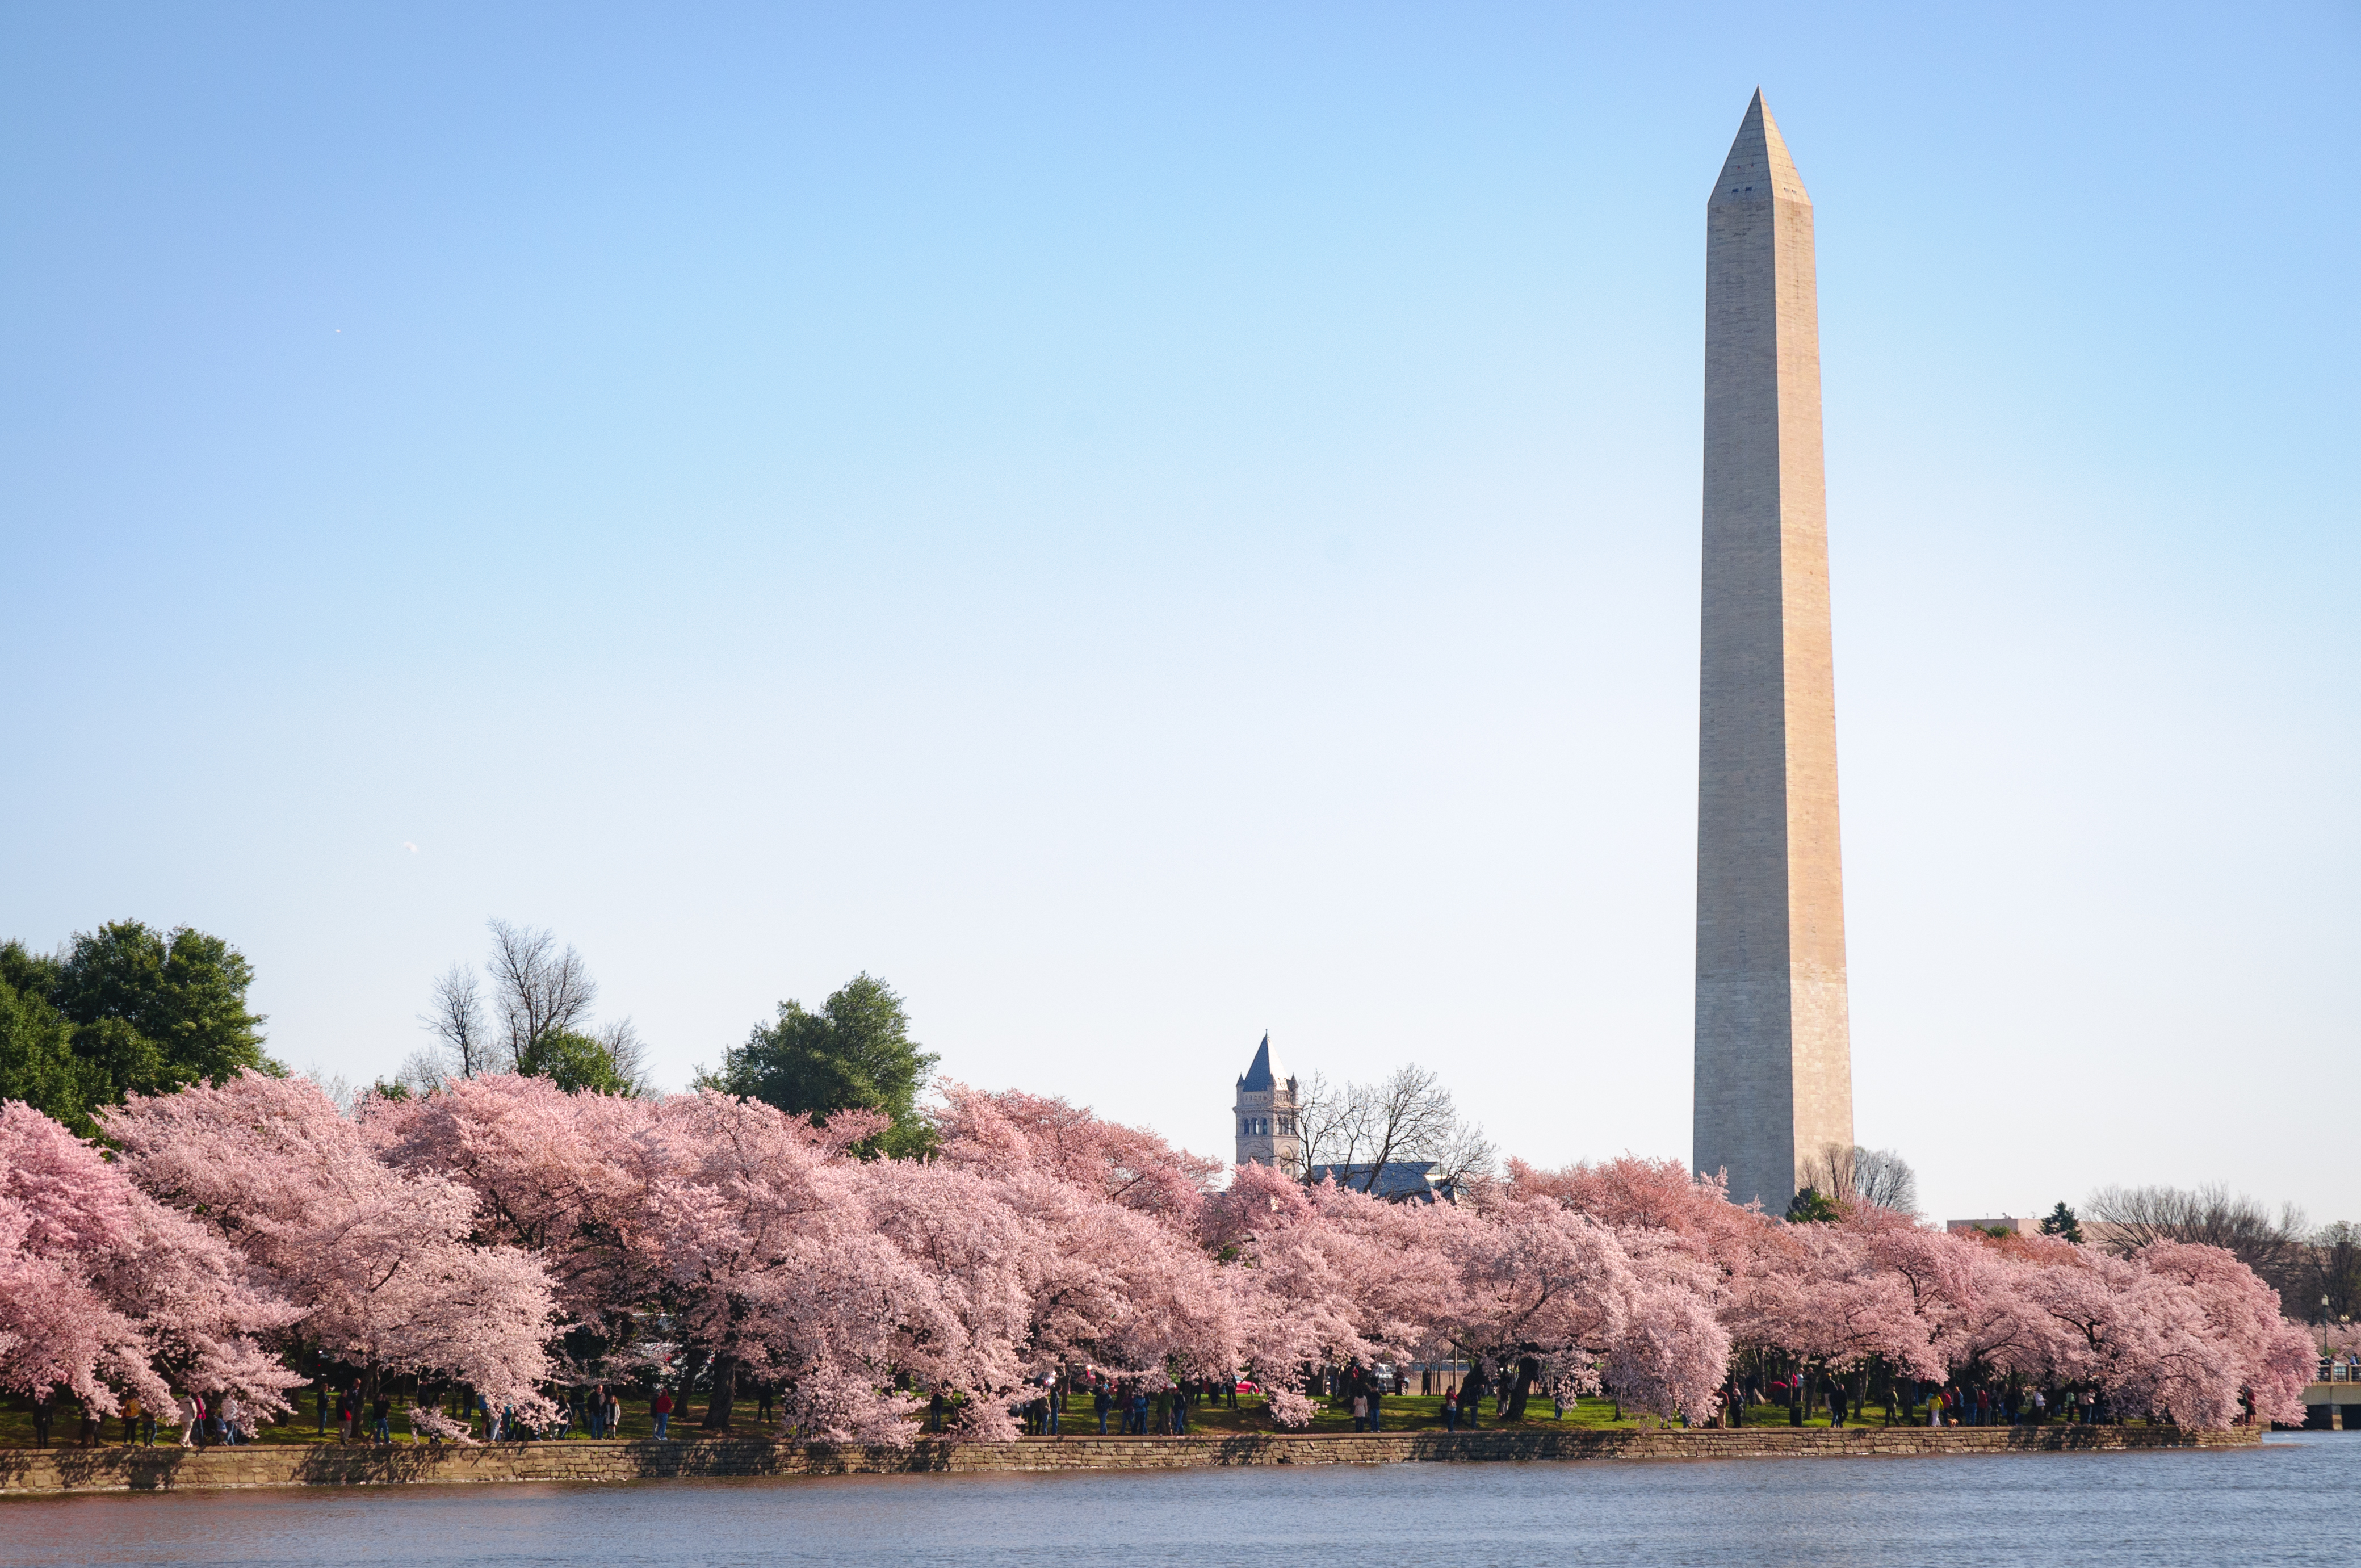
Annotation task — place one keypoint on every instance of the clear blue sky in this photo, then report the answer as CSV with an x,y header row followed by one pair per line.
x,y
1140,525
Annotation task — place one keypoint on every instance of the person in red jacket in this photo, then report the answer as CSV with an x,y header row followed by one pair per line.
x,y
663,1413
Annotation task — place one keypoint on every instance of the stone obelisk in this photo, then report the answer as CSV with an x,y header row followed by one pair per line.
x,y
1774,1049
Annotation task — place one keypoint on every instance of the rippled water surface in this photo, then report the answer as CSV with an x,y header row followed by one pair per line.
x,y
2297,1500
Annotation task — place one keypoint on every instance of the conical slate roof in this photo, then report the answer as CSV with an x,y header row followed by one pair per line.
x,y
1758,167
1265,1073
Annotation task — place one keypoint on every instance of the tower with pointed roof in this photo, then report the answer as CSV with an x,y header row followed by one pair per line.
x,y
1774,1037
1266,1114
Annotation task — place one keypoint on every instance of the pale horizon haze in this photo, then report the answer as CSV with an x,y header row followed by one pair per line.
x,y
1143,525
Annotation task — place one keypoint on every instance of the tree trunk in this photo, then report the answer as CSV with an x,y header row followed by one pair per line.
x,y
692,1362
1471,1392
1527,1370
725,1387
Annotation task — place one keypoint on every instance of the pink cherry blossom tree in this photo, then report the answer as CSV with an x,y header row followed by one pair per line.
x,y
2267,1359
104,1291
1107,1260
773,1262
1323,1276
1128,1165
565,1177
378,1261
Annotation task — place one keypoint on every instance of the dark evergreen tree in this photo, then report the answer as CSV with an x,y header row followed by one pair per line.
x,y
854,1054
1810,1208
124,1009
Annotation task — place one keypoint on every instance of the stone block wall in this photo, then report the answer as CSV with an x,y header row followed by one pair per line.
x,y
35,1471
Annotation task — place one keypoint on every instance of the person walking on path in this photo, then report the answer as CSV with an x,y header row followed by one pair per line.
x,y
1099,1402
130,1420
1450,1410
193,1413
662,1410
1377,1407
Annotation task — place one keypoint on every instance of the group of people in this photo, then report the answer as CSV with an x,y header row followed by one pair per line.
x,y
1163,1413
204,1423
1984,1406
1367,1388
369,1421
1947,1405
1131,1403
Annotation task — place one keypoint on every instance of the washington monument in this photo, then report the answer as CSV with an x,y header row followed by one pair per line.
x,y
1773,1047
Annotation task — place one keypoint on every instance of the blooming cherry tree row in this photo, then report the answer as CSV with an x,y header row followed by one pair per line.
x,y
504,1234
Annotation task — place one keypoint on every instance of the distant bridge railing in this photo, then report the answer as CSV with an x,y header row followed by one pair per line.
x,y
2338,1369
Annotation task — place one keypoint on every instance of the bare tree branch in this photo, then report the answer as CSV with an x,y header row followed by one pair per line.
x,y
1358,1129
629,1054
424,1070
537,990
1849,1172
1327,1119
458,1021
1467,1152
2129,1218
1884,1177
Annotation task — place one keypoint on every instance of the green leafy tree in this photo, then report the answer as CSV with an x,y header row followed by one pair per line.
x,y
574,1061
2060,1222
854,1054
141,1010
1810,1208
37,1064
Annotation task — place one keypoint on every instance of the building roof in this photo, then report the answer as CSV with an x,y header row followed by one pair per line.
x,y
1398,1180
2013,1223
1265,1073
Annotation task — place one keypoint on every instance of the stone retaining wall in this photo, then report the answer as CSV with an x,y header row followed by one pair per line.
x,y
24,1471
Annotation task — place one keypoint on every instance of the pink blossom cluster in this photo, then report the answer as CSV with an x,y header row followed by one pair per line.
x,y
473,1234
105,1292
2182,1332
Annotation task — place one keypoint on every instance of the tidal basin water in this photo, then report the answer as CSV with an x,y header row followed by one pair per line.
x,y
2297,1500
